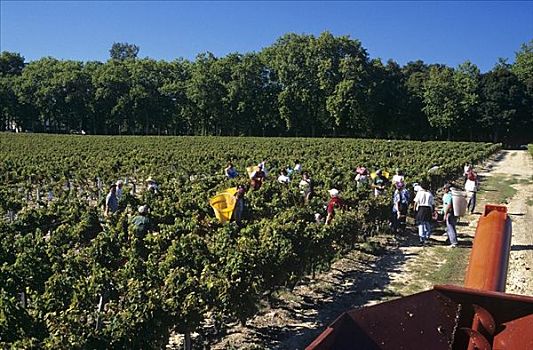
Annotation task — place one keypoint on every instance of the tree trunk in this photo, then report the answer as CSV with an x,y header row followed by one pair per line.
x,y
187,343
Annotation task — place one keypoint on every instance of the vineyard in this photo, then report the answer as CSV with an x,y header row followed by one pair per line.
x,y
71,278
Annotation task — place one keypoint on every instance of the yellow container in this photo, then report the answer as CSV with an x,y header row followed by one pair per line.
x,y
384,173
251,170
223,204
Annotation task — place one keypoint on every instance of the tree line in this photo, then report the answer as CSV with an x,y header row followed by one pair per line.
x,y
302,85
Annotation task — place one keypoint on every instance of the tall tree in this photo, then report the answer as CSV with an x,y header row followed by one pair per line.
x,y
147,101
295,67
501,111
206,90
123,51
344,82
417,125
11,109
250,101
388,100
112,86
11,63
523,65
174,88
466,80
441,101
59,92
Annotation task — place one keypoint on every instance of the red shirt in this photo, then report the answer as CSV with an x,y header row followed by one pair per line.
x,y
334,202
471,175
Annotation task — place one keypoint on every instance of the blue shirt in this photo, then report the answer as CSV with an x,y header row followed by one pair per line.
x,y
112,202
446,201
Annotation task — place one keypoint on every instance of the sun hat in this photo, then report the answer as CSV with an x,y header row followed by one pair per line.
x,y
143,209
417,187
119,182
333,192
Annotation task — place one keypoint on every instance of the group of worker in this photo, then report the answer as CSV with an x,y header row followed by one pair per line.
x,y
258,175
141,223
424,203
378,182
424,206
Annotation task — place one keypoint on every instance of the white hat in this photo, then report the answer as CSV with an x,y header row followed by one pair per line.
x,y
143,209
119,182
149,179
334,192
417,187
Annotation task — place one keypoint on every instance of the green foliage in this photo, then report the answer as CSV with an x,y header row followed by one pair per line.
x,y
71,279
123,51
301,85
441,99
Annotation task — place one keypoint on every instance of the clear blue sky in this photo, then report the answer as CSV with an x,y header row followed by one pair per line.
x,y
436,32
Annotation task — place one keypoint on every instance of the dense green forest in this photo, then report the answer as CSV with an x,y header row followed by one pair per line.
x,y
301,85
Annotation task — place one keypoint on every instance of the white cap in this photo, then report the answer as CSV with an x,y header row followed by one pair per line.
x,y
143,209
334,192
416,187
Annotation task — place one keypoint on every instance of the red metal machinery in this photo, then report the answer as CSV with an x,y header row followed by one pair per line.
x,y
477,316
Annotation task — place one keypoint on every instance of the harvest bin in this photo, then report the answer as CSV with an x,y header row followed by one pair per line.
x,y
459,202
477,316
223,204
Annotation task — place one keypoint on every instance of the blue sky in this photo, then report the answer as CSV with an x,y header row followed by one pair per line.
x,y
436,32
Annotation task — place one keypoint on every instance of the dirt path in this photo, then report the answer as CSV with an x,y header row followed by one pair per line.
x,y
520,165
293,319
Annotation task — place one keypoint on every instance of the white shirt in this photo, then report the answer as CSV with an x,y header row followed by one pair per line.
x,y
119,192
397,178
305,186
470,186
361,178
424,198
284,179
298,167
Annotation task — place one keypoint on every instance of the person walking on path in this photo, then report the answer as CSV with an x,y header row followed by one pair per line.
x,y
111,201
449,216
424,203
471,187
400,203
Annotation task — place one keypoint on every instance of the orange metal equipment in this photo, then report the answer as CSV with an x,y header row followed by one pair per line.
x,y
487,269
477,316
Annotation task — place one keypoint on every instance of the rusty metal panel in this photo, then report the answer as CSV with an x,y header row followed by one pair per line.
x,y
427,319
